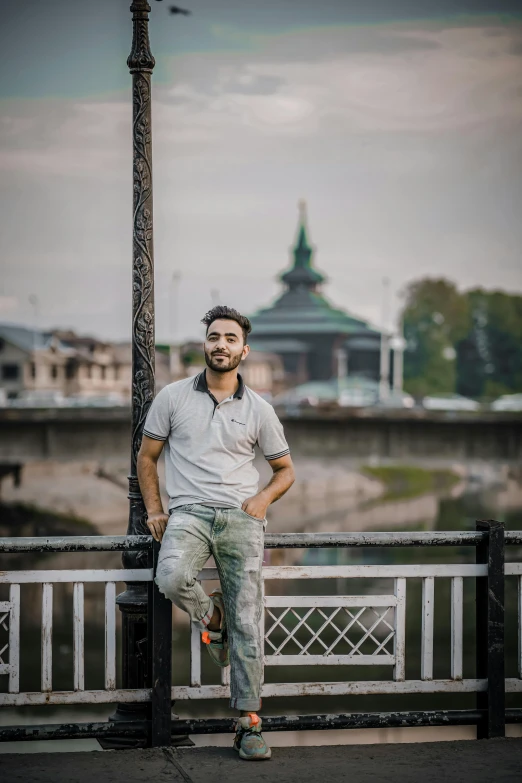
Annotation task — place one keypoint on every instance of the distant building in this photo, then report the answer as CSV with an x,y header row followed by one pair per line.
x,y
61,363
264,373
315,341
95,367
30,359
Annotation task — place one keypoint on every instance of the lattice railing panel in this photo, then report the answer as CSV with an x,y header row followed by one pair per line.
x,y
339,631
4,633
330,629
10,637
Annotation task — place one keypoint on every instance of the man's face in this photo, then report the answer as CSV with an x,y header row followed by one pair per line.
x,y
224,347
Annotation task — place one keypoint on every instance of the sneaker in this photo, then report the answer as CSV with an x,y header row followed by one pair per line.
x,y
249,741
217,641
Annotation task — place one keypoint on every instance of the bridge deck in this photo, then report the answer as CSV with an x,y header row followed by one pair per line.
x,y
474,761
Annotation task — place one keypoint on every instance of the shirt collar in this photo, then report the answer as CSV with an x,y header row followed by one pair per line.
x,y
200,384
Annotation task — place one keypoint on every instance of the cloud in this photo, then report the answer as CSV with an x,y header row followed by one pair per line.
x,y
404,138
324,42
251,83
62,137
358,80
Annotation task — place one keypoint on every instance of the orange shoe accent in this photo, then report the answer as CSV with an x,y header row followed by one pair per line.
x,y
205,638
254,719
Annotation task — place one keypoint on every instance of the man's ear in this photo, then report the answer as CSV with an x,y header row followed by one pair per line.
x,y
247,349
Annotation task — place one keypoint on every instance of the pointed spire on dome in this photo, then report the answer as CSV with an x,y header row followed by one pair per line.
x,y
302,250
302,273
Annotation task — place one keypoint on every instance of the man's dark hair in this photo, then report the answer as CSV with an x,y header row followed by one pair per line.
x,y
228,313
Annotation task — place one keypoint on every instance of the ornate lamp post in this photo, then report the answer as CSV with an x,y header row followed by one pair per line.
x,y
141,63
133,602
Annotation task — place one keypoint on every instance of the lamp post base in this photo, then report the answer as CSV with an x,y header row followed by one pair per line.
x,y
137,618
139,713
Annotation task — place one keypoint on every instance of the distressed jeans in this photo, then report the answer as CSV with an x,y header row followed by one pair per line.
x,y
236,541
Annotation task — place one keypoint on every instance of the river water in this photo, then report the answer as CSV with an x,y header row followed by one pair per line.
x,y
454,510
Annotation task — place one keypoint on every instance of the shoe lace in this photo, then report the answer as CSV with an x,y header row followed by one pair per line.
x,y
251,730
247,733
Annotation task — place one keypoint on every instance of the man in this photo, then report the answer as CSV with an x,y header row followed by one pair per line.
x,y
212,423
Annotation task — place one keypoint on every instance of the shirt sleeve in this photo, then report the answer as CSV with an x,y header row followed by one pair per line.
x,y
157,424
271,437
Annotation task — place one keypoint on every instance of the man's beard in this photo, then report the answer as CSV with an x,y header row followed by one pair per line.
x,y
226,364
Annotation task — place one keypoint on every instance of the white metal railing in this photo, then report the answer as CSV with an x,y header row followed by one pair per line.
x,y
514,685
10,621
375,618
317,630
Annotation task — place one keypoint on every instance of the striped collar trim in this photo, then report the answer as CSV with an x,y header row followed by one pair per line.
x,y
200,384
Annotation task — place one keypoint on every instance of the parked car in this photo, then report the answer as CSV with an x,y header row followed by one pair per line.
x,y
357,397
39,398
356,391
508,402
398,399
450,402
110,400
312,393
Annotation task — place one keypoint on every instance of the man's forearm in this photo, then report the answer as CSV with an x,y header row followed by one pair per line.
x,y
149,485
280,483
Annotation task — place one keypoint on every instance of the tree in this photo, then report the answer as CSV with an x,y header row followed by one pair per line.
x,y
466,342
436,317
489,359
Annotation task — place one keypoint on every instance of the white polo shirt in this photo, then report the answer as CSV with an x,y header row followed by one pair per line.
x,y
210,453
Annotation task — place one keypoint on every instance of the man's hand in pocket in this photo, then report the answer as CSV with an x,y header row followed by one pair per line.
x,y
157,524
256,507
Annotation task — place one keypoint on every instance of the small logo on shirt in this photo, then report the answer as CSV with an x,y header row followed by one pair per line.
x,y
243,424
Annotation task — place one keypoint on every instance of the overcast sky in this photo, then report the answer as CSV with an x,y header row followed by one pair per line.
x,y
399,122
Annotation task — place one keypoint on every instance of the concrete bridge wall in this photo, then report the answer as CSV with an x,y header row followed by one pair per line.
x,y
104,434
406,437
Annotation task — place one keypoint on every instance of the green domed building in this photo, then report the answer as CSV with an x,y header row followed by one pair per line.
x,y
315,340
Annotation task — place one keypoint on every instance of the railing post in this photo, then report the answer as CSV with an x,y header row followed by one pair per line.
x,y
490,630
160,658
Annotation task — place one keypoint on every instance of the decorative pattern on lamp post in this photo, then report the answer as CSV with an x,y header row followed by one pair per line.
x,y
141,62
133,602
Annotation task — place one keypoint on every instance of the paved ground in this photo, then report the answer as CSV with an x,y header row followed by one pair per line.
x,y
493,761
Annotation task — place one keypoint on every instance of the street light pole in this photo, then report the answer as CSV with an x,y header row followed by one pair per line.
x,y
141,62
384,371
133,602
